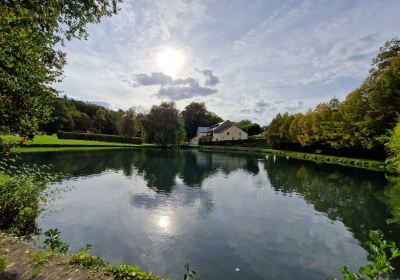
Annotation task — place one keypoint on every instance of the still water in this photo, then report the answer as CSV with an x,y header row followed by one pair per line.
x,y
230,215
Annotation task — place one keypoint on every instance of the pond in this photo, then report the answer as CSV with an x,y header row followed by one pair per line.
x,y
229,215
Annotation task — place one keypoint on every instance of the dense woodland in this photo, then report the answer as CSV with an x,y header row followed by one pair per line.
x,y
360,125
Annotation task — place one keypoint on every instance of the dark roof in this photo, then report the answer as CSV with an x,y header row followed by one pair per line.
x,y
221,127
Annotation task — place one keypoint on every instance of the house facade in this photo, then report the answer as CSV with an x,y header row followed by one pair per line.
x,y
223,131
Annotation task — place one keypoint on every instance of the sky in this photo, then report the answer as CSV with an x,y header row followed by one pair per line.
x,y
244,59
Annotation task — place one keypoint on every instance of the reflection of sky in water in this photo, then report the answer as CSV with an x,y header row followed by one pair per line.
x,y
231,217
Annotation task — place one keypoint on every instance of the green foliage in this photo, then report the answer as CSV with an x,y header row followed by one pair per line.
x,y
30,58
196,115
357,123
3,263
40,259
99,137
163,125
21,195
189,274
249,127
394,146
128,272
53,241
86,260
382,253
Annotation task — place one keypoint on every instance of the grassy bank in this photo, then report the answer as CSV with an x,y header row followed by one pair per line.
x,y
375,165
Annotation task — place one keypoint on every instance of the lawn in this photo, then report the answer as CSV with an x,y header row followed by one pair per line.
x,y
53,141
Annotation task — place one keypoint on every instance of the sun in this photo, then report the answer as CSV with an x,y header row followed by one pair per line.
x,y
170,61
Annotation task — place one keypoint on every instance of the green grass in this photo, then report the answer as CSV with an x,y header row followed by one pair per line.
x,y
49,140
50,143
62,149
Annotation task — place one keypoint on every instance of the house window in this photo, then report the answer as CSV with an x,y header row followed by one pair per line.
x,y
233,138
227,133
216,139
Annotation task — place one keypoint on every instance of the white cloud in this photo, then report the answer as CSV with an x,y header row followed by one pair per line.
x,y
265,51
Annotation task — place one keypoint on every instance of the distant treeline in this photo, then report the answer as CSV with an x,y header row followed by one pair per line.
x,y
163,124
360,125
73,115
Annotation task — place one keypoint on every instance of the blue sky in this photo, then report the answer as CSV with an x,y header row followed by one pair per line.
x,y
244,59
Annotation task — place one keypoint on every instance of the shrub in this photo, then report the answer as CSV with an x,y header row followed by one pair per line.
x,y
84,259
251,142
128,272
20,198
99,137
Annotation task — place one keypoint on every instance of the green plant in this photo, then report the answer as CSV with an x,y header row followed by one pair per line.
x,y
3,263
128,272
382,253
84,259
54,243
40,259
23,191
189,274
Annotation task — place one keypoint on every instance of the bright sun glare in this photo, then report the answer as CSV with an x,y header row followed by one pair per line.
x,y
163,221
170,61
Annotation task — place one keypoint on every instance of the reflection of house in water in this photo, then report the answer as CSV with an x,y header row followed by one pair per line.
x,y
226,162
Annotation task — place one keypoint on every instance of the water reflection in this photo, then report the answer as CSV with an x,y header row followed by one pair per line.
x,y
272,217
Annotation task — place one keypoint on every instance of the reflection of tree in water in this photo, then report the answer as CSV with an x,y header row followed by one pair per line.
x,y
159,167
346,194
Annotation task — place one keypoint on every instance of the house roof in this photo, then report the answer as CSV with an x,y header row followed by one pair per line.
x,y
221,127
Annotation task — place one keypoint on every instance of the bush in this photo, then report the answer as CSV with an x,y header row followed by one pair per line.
x,y
86,260
20,198
128,272
251,142
99,137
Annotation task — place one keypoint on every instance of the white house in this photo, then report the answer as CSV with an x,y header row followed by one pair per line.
x,y
222,131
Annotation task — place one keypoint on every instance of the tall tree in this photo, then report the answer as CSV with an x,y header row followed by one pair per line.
x,y
163,125
195,115
30,59
128,123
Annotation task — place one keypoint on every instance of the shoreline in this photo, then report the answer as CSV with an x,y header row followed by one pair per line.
x,y
374,165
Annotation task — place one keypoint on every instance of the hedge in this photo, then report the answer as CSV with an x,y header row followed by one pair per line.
x,y
99,137
250,142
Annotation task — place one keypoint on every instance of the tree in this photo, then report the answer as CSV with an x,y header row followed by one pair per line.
x,y
128,123
30,59
163,125
194,115
213,118
394,147
250,127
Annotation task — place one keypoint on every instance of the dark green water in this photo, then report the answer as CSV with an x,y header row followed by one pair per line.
x,y
271,218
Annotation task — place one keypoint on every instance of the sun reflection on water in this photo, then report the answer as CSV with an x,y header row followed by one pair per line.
x,y
164,222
